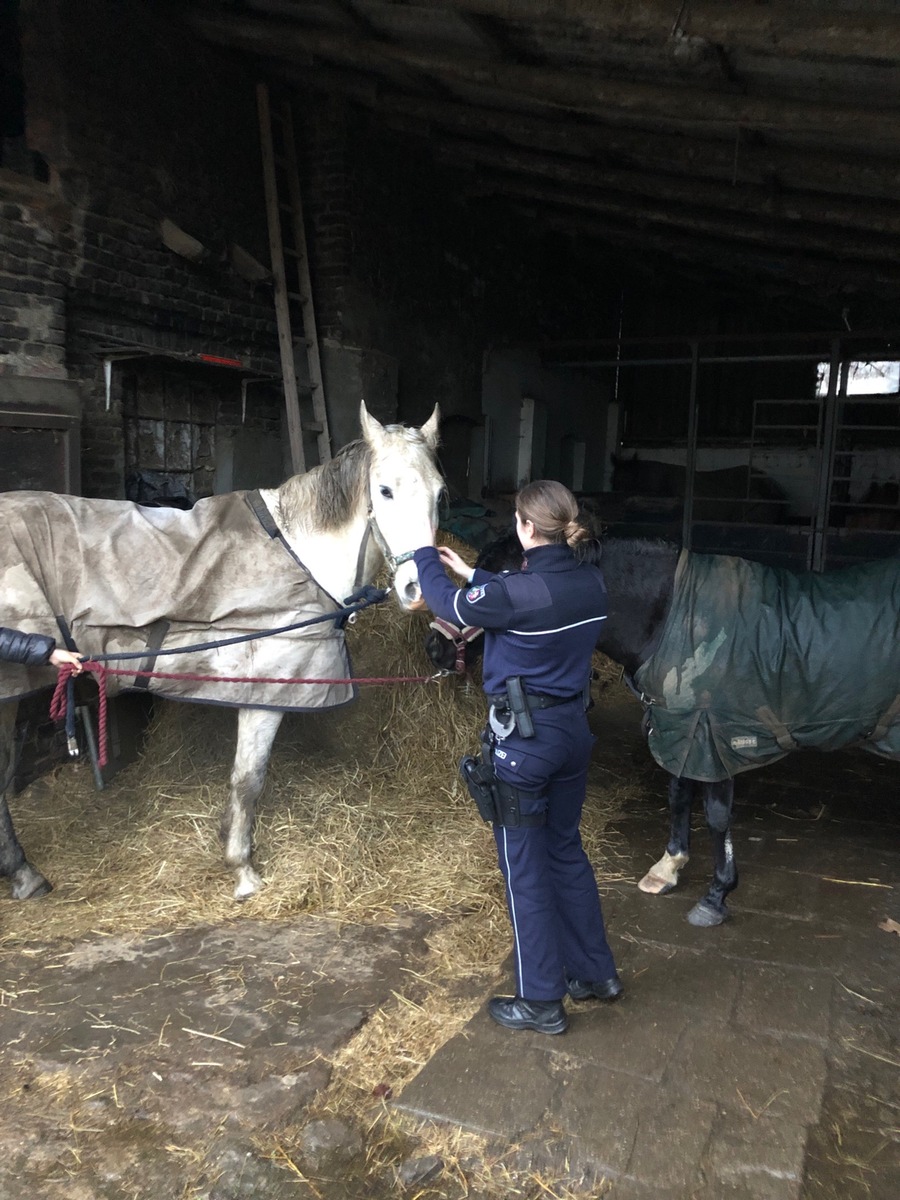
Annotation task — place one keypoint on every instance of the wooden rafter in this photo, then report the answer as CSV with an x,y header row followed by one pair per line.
x,y
688,108
749,200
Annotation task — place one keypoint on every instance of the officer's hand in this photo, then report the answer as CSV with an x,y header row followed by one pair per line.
x,y
452,560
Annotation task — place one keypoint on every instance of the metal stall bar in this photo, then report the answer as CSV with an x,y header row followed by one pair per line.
x,y
837,382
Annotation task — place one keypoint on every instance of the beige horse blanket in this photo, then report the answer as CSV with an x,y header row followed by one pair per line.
x,y
127,578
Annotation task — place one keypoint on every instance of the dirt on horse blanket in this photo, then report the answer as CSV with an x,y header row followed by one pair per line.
x,y
755,661
127,578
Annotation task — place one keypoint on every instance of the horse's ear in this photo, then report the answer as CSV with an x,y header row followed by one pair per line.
x,y
371,426
430,430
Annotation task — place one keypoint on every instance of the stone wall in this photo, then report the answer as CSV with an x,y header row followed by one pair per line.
x,y
132,120
136,122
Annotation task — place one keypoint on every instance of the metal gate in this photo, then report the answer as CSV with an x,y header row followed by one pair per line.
x,y
783,448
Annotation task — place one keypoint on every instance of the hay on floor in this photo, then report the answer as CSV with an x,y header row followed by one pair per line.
x,y
363,813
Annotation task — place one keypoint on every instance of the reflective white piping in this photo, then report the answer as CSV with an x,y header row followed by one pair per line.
x,y
462,620
512,915
561,629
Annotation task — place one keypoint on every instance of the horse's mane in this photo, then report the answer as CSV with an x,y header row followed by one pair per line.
x,y
328,496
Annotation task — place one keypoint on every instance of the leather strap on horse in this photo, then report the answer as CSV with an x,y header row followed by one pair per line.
x,y
885,721
779,730
265,518
459,637
155,636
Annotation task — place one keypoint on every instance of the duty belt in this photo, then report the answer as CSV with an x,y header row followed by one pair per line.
x,y
500,700
512,709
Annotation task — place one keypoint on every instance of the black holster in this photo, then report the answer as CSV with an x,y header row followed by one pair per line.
x,y
497,801
519,707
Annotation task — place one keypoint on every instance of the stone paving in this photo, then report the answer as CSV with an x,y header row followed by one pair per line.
x,y
756,1061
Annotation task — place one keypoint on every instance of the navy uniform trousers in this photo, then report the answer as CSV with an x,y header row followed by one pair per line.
x,y
551,892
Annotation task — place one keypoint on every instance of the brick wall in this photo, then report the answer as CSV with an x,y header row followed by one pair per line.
x,y
137,121
36,260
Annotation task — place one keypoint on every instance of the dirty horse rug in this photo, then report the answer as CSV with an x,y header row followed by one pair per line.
x,y
756,661
121,578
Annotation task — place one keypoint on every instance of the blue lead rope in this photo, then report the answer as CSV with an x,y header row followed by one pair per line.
x,y
71,740
364,598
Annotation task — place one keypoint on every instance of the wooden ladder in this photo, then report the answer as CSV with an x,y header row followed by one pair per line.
x,y
281,175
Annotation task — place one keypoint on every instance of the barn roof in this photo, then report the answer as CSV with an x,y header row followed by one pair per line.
x,y
750,138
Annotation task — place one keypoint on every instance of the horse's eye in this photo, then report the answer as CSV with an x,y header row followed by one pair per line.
x,y
386,492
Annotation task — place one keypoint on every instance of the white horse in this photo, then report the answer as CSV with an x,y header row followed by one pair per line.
x,y
117,578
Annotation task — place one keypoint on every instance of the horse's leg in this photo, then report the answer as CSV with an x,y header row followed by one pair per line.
x,y
718,799
25,882
256,732
663,875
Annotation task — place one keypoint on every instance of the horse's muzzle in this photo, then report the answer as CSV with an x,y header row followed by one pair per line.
x,y
406,585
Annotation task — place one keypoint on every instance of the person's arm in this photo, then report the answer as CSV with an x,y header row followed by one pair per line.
x,y
35,650
29,649
486,604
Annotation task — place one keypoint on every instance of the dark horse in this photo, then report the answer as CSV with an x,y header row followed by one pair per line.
x,y
732,660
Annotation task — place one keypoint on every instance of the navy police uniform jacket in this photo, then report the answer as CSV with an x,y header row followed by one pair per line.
x,y
541,623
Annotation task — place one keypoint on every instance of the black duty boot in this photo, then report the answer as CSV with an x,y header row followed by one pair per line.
x,y
514,1012
602,989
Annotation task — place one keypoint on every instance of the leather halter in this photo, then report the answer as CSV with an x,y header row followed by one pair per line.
x,y
459,637
393,560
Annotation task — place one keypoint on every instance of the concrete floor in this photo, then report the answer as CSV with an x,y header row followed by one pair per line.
x,y
755,1061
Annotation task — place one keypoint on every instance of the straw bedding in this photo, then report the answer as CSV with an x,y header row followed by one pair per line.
x,y
363,815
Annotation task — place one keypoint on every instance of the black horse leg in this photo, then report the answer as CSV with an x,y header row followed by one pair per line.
x,y
718,799
663,875
25,882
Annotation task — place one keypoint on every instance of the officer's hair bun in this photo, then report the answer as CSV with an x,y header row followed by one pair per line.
x,y
575,532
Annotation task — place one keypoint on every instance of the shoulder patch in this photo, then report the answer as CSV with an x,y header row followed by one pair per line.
x,y
474,594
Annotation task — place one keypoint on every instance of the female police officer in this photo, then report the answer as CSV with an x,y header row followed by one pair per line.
x,y
541,626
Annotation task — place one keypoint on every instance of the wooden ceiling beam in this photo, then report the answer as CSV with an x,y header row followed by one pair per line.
x,y
789,30
749,200
692,109
735,160
821,277
836,244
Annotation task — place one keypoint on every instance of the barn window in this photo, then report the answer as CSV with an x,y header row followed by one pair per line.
x,y
863,378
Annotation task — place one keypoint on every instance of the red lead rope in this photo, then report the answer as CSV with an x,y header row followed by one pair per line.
x,y
59,700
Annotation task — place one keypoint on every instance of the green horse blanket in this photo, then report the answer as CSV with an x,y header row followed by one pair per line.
x,y
756,661
128,578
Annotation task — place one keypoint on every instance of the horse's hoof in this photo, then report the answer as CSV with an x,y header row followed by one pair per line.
x,y
663,875
28,884
653,885
248,883
705,916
